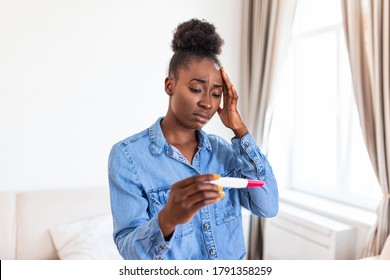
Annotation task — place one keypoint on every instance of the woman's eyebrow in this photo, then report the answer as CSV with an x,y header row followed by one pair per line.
x,y
205,82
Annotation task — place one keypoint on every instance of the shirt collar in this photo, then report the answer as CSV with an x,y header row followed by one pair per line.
x,y
204,142
158,143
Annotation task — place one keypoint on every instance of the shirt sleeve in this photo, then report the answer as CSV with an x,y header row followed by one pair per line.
x,y
136,235
253,164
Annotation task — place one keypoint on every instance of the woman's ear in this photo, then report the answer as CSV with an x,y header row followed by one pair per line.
x,y
169,85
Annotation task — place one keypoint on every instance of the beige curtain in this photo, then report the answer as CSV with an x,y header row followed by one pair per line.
x,y
366,24
266,28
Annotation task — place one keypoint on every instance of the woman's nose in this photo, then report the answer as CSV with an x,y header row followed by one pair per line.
x,y
205,103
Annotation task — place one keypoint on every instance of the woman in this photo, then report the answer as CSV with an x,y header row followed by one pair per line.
x,y
163,200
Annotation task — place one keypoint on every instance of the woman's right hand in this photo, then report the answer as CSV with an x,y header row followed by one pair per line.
x,y
185,199
229,114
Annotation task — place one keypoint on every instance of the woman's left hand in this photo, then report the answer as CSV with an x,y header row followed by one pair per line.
x,y
229,114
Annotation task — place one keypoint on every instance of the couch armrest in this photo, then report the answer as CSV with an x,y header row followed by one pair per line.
x,y
7,226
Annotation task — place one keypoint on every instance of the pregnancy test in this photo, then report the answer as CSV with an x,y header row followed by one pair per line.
x,y
237,183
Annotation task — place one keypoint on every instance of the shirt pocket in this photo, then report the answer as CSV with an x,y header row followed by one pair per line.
x,y
159,198
225,209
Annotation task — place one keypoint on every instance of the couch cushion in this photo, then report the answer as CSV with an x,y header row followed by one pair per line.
x,y
37,211
7,225
87,239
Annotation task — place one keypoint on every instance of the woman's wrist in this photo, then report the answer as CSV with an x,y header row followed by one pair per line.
x,y
240,132
167,228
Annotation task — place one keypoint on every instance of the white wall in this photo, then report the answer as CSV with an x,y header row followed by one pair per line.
x,y
76,76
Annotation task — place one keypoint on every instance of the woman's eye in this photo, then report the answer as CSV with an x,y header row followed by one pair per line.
x,y
195,90
216,95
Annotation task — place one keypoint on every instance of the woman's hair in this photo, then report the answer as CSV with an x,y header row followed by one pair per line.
x,y
194,39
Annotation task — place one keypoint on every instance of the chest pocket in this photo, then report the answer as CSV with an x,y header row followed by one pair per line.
x,y
159,198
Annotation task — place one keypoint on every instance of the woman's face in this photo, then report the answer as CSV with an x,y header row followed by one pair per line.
x,y
196,93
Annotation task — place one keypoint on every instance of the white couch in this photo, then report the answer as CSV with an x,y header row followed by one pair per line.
x,y
56,224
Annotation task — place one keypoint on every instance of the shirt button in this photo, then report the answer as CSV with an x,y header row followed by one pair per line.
x,y
212,252
206,226
246,144
197,155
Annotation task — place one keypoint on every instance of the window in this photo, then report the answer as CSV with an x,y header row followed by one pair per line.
x,y
316,144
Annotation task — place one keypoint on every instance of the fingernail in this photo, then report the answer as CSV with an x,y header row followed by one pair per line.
x,y
216,176
232,86
222,194
220,188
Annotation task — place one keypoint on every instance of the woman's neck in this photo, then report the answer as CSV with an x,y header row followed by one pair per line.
x,y
176,133
184,139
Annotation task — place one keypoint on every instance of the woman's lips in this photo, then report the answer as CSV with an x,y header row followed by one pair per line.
x,y
202,117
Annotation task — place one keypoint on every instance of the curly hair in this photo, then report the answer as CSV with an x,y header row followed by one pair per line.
x,y
194,39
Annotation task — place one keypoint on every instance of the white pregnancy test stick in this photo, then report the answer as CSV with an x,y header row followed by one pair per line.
x,y
238,183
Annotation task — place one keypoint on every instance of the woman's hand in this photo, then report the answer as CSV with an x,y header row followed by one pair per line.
x,y
229,114
185,199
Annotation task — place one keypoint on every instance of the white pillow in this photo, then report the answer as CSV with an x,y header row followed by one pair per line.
x,y
89,239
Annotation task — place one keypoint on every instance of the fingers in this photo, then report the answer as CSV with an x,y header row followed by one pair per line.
x,y
226,79
229,114
197,188
196,179
206,193
191,194
230,93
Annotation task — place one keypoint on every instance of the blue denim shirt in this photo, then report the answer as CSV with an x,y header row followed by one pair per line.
x,y
142,169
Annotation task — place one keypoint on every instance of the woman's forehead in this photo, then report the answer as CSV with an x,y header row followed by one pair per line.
x,y
202,68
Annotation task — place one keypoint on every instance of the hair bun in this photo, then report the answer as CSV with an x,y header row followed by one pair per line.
x,y
197,36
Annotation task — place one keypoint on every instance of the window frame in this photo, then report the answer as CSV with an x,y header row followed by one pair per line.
x,y
340,192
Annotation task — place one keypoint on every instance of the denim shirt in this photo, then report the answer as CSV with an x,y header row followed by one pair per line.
x,y
142,169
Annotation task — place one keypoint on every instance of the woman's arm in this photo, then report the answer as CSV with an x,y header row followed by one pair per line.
x,y
252,162
136,235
